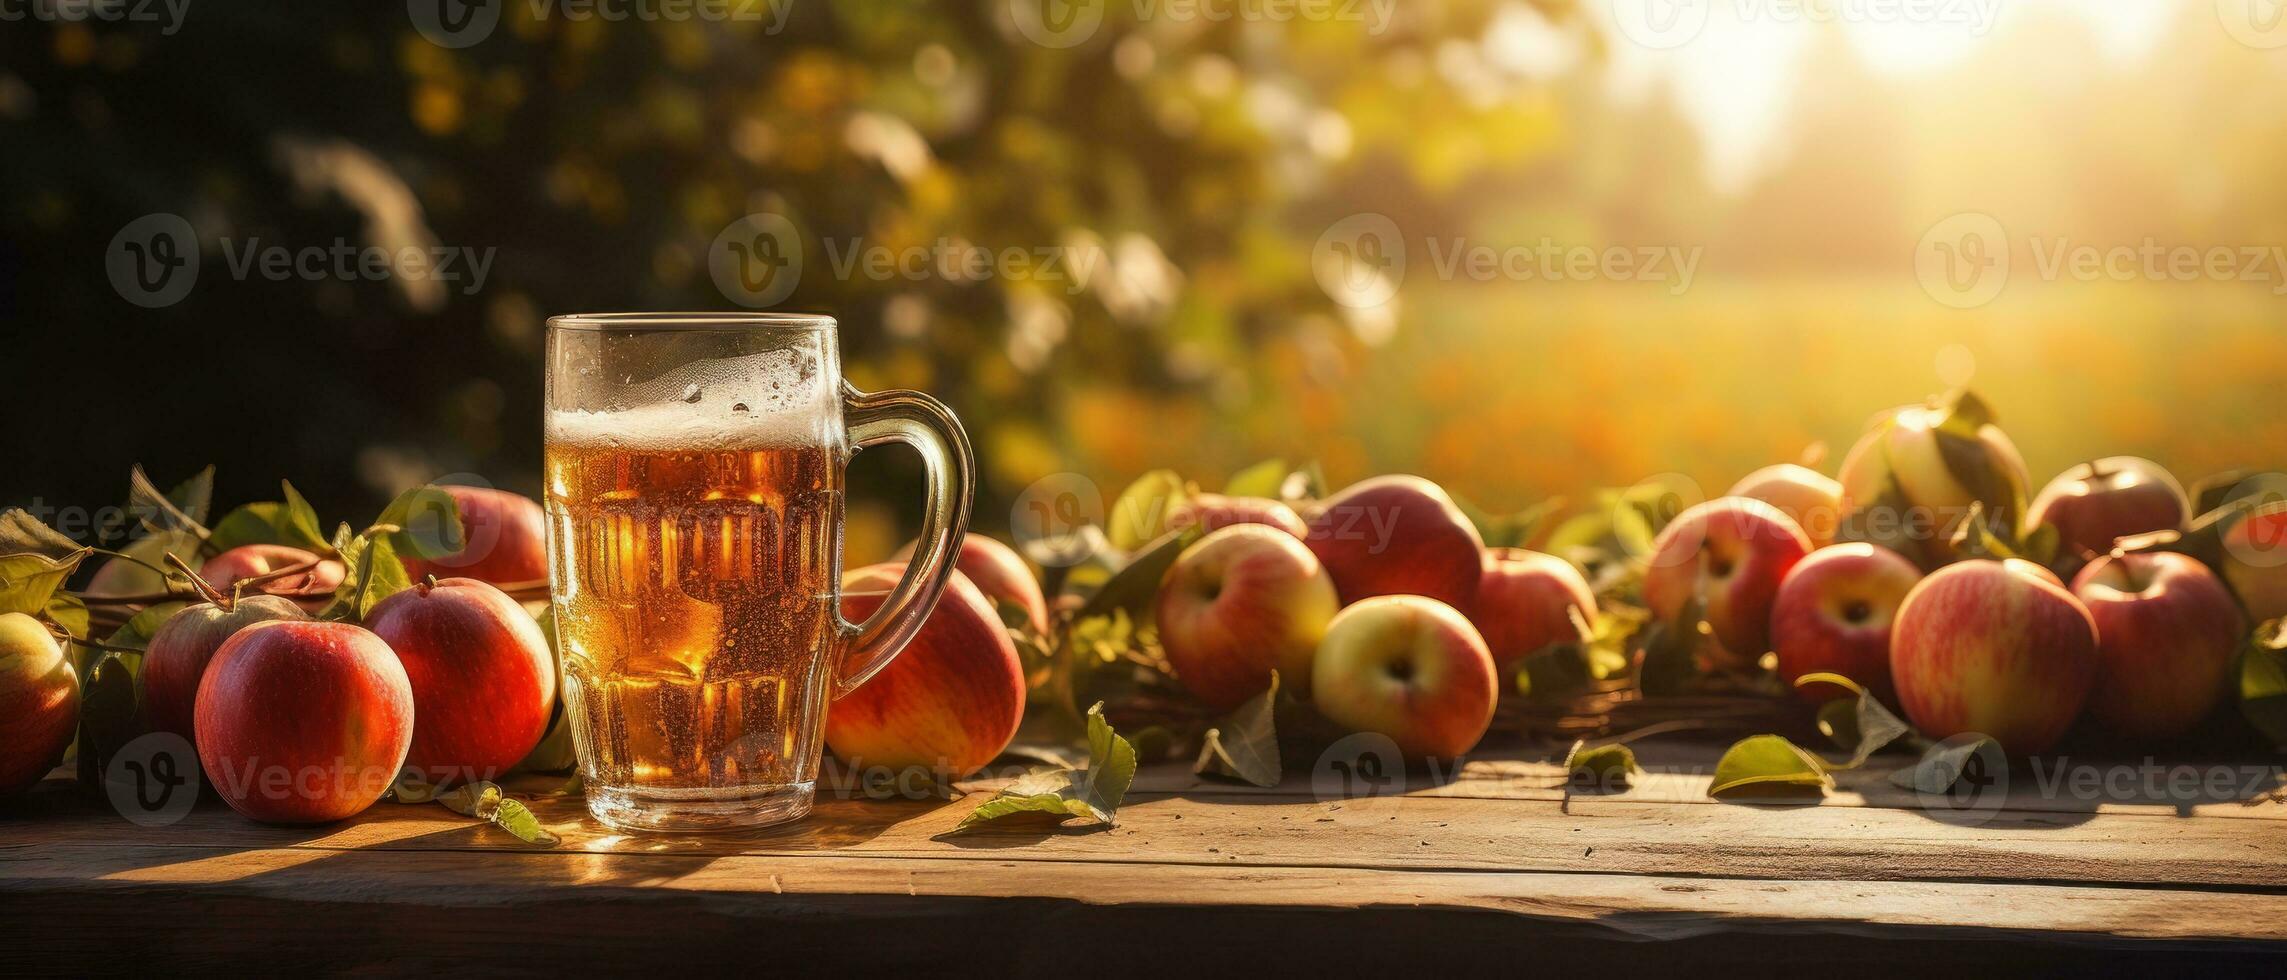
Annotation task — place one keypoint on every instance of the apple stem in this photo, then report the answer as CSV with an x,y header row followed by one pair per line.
x,y
206,591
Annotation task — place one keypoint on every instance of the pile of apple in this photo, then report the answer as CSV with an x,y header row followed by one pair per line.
x,y
297,719
1925,575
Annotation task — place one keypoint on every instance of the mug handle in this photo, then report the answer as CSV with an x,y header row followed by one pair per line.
x,y
929,427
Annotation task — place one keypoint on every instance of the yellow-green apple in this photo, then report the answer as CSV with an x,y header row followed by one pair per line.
x,y
1214,511
2096,503
484,683
2167,632
39,701
949,702
1410,668
998,572
1730,553
504,540
182,646
1397,535
1139,516
1238,604
1907,450
1993,647
1526,600
1833,615
2254,561
312,589
303,721
1811,498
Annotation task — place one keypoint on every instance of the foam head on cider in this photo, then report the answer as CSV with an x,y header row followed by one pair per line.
x,y
775,398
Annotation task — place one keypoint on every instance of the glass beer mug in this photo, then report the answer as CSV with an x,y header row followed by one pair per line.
x,y
694,496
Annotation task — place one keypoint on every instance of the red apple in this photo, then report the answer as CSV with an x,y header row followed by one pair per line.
x,y
1731,553
1993,647
183,645
2096,503
1410,668
949,702
1397,535
2167,632
1811,498
312,590
39,702
998,572
1214,511
1238,604
1525,601
1833,615
1904,450
303,722
505,540
484,683
2255,561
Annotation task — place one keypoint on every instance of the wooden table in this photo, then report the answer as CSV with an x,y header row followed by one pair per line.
x,y
1499,867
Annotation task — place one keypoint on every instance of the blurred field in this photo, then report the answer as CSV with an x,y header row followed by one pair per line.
x,y
1510,395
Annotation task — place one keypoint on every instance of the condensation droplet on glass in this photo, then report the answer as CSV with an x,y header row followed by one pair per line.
x,y
739,407
692,392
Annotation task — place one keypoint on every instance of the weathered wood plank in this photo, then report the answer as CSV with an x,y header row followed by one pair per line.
x,y
1585,834
534,910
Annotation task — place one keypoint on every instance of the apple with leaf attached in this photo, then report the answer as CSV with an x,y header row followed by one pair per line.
x,y
1920,470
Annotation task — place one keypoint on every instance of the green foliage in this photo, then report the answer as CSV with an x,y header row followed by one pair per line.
x,y
1766,763
485,801
1602,765
1859,725
1244,746
1093,793
2263,681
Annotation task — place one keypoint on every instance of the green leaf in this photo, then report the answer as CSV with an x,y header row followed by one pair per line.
x,y
372,573
429,522
139,628
182,509
1958,434
1245,745
1668,663
1939,770
1094,793
28,580
1140,513
23,534
409,787
484,801
1510,530
264,522
1861,725
1134,588
108,714
1767,761
1974,537
1264,479
2263,681
1603,765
